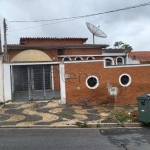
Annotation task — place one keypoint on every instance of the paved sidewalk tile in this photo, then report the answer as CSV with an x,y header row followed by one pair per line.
x,y
54,114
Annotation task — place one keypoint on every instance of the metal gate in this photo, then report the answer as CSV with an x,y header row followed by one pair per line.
x,y
32,83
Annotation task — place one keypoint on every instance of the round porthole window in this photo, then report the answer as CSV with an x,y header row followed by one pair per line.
x,y
125,80
92,82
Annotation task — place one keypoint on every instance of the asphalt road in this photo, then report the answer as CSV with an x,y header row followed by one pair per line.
x,y
75,139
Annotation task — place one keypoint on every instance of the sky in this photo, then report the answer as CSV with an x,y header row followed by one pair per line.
x,y
129,26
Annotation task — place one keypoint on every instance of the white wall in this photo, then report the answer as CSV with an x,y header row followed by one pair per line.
x,y
130,61
7,83
62,83
1,79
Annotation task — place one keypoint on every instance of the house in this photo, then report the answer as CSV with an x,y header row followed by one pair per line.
x,y
73,71
138,57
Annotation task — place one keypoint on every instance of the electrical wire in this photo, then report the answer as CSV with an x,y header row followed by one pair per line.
x,y
126,8
74,18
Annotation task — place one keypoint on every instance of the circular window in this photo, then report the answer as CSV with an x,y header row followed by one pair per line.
x,y
125,80
92,82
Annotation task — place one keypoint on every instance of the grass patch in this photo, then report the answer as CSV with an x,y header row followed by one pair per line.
x,y
98,126
121,115
82,125
64,113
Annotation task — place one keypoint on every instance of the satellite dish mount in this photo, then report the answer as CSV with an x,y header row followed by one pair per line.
x,y
95,31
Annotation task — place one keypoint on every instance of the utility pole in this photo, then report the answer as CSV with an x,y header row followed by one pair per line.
x,y
5,41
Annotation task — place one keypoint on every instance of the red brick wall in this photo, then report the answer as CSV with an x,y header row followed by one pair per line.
x,y
80,51
49,42
126,96
56,77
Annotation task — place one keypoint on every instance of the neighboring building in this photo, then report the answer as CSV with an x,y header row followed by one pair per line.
x,y
138,57
70,70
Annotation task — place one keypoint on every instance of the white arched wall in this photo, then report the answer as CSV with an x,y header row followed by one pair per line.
x,y
110,59
66,57
121,58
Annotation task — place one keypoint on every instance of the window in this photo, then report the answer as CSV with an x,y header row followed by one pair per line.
x,y
78,58
108,62
90,58
66,59
120,61
92,82
125,80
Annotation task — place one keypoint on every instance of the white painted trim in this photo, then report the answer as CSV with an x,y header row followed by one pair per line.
x,y
33,63
78,57
112,54
52,76
110,59
95,85
122,60
66,57
128,82
123,66
68,62
7,83
91,57
62,83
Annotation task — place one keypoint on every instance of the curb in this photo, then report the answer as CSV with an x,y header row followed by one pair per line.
x,y
101,125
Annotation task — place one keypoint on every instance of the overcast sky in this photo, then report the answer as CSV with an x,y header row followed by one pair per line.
x,y
130,26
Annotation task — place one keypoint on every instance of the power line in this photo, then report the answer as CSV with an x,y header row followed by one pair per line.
x,y
126,8
78,17
41,25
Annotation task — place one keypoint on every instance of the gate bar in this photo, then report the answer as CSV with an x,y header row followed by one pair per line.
x,y
44,81
29,83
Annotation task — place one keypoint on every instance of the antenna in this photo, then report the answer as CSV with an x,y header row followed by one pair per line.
x,y
95,31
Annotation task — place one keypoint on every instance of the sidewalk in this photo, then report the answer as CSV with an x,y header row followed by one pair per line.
x,y
53,114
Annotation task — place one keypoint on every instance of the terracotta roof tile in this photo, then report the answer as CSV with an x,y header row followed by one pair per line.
x,y
142,56
53,38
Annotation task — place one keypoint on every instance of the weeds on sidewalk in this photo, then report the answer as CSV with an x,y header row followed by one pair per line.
x,y
124,116
82,125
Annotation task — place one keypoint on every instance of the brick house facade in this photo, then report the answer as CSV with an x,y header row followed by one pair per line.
x,y
81,73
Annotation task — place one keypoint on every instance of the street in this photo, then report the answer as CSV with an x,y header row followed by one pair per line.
x,y
73,139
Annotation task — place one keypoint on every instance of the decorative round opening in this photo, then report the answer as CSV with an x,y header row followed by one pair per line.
x,y
90,58
92,82
125,80
78,58
66,59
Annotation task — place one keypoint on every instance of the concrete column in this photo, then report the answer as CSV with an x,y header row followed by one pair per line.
x,y
62,83
7,83
1,79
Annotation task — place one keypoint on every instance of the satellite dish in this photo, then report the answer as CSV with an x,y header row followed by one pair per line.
x,y
95,31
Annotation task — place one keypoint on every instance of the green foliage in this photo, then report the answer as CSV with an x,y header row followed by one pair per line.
x,y
64,113
121,115
120,44
122,118
82,125
98,126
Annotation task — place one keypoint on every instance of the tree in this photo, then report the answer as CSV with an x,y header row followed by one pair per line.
x,y
118,44
127,47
